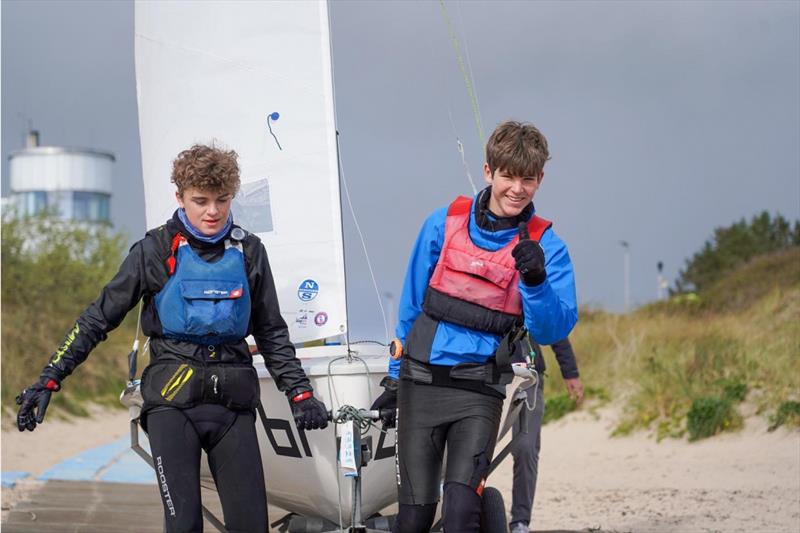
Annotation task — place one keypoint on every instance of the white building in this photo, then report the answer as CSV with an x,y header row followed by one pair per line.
x,y
75,183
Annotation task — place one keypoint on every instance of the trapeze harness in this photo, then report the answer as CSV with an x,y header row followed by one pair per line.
x,y
205,304
474,288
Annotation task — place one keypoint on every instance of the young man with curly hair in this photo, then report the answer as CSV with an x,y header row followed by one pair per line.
x,y
206,285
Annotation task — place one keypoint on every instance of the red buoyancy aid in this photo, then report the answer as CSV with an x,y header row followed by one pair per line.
x,y
471,286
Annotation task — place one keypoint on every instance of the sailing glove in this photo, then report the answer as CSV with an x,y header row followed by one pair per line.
x,y
33,402
386,403
308,412
529,258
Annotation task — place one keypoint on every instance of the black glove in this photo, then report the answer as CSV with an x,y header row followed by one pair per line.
x,y
308,412
387,402
529,258
37,396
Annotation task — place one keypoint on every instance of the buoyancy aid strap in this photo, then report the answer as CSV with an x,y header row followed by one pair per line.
x,y
441,306
460,206
467,376
537,226
419,341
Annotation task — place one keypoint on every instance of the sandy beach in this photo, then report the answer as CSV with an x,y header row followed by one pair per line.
x,y
744,481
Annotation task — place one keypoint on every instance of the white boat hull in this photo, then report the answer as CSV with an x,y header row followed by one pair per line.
x,y
301,471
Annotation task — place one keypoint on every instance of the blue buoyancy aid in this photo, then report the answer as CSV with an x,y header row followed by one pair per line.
x,y
206,303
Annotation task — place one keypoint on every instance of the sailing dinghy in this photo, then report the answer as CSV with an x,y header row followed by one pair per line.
x,y
257,77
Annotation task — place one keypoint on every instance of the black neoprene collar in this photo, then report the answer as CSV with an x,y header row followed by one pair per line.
x,y
491,222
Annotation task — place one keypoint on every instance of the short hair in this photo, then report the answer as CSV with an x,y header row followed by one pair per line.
x,y
207,168
519,148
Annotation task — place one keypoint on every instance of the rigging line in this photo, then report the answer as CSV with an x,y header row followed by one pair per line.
x,y
469,62
135,347
459,144
339,169
460,147
364,247
138,324
470,90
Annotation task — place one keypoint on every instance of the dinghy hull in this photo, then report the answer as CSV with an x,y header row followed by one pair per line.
x,y
302,475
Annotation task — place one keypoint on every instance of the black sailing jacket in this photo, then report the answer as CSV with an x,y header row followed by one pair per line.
x,y
142,275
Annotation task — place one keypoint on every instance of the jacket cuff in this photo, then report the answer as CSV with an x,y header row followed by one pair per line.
x,y
50,372
298,390
389,383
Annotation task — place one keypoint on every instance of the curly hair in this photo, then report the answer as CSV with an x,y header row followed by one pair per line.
x,y
207,168
519,148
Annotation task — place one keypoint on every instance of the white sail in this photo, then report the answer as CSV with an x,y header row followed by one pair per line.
x,y
254,77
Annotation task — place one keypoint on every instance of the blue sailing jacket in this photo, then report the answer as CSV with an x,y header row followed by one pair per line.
x,y
550,309
206,303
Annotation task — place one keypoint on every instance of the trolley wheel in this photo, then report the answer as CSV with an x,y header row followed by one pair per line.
x,y
493,512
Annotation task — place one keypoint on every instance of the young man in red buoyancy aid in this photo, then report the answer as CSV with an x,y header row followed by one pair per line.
x,y
482,270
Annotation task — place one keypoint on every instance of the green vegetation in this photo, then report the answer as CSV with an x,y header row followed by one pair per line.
x,y
733,246
556,406
50,272
709,416
685,364
787,412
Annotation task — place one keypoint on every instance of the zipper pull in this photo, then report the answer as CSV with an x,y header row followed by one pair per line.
x,y
214,379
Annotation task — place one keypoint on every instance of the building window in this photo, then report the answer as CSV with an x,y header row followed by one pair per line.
x,y
33,202
90,206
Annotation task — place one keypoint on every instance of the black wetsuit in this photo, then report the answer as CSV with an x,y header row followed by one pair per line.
x,y
178,435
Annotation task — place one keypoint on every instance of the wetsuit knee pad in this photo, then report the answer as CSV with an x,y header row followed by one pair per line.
x,y
461,508
414,518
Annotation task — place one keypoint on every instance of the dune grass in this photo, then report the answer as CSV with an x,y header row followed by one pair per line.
x,y
683,366
50,273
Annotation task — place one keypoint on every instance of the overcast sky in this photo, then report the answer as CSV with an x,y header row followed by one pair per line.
x,y
665,119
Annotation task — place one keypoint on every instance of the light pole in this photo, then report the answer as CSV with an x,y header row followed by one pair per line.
x,y
627,273
661,282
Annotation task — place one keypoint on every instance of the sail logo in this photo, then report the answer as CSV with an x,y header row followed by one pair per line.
x,y
302,318
321,318
308,290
